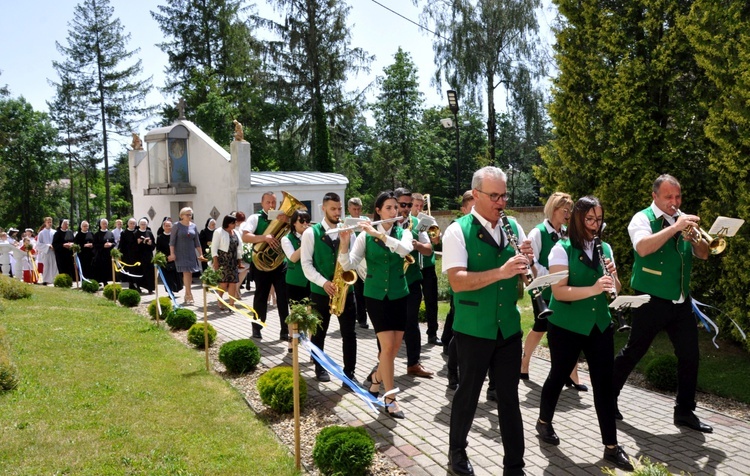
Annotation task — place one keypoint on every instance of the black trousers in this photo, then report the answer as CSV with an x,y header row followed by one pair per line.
x,y
447,334
412,336
347,322
679,323
502,357
263,282
297,293
359,299
430,294
564,347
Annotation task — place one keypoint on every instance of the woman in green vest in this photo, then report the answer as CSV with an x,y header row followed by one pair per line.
x,y
297,285
581,322
543,237
384,246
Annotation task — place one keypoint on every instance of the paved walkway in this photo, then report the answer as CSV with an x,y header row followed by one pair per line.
x,y
419,444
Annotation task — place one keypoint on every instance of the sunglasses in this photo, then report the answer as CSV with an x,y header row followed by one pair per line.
x,y
303,221
405,205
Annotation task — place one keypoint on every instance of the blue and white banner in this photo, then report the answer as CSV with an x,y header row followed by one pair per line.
x,y
706,321
334,369
169,291
80,270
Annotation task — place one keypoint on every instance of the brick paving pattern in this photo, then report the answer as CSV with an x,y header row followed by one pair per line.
x,y
419,444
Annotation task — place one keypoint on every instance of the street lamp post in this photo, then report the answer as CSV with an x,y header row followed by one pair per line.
x,y
453,105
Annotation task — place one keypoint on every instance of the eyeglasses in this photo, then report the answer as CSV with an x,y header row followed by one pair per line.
x,y
592,220
405,205
494,197
566,212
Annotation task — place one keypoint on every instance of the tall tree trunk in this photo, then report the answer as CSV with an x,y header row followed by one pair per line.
x,y
491,119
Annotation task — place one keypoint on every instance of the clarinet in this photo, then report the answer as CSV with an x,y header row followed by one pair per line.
x,y
612,295
528,277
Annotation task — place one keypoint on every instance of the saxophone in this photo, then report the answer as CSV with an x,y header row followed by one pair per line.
x,y
341,280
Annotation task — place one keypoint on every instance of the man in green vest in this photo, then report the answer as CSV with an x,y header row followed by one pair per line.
x,y
429,282
319,258
663,261
483,270
253,232
422,246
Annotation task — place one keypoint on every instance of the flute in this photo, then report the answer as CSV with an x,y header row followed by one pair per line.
x,y
355,227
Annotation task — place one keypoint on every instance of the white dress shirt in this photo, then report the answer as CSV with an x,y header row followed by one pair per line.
x,y
306,255
287,246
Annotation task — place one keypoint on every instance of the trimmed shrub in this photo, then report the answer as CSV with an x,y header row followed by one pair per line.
x,y
91,286
343,450
662,372
8,370
129,297
276,389
63,280
166,307
181,319
13,289
111,289
195,335
239,355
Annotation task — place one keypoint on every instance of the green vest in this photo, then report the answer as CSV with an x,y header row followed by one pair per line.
x,y
294,274
543,259
581,316
413,272
385,269
480,313
263,223
666,272
324,258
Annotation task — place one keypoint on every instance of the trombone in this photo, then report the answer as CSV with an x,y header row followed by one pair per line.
x,y
696,234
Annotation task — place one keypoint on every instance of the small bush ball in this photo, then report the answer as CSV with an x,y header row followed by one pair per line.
x,y
129,297
92,286
276,389
343,450
63,280
195,335
111,289
239,356
166,308
181,319
662,372
12,289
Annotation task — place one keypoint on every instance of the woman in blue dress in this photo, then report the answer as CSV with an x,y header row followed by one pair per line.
x,y
185,250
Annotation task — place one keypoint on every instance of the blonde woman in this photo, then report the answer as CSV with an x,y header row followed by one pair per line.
x,y
184,250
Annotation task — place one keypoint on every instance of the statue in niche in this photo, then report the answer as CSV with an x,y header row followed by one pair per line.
x,y
239,134
136,144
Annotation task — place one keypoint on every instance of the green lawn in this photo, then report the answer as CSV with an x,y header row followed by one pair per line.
x,y
104,392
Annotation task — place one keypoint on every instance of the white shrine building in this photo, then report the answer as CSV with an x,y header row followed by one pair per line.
x,y
181,166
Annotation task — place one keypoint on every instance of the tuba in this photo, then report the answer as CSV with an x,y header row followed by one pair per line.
x,y
342,280
266,258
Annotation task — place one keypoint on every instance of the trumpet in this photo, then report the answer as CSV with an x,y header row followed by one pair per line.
x,y
544,310
358,226
696,234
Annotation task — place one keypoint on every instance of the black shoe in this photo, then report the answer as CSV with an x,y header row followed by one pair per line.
x,y
399,414
284,336
547,433
256,334
345,386
452,380
491,395
459,462
434,340
690,420
618,456
524,375
322,375
578,386
364,325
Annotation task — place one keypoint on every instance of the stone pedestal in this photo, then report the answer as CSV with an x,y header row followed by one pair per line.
x,y
240,152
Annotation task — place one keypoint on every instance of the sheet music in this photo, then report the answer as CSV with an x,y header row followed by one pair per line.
x,y
726,226
273,214
547,280
630,301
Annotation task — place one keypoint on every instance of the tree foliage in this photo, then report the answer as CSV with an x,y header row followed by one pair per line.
x,y
29,164
482,44
94,59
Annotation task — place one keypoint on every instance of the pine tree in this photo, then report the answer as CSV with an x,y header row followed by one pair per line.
x,y
94,60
